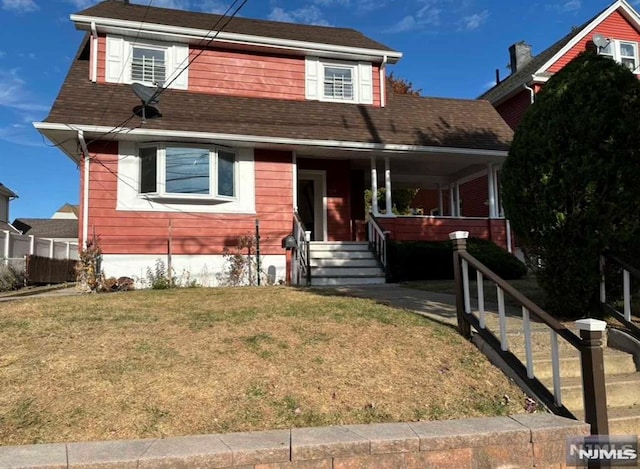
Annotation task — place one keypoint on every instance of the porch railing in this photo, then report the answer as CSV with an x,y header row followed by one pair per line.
x,y
301,268
627,272
589,343
377,241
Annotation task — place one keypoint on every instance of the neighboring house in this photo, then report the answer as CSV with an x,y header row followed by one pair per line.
x,y
67,212
62,226
614,32
267,120
6,196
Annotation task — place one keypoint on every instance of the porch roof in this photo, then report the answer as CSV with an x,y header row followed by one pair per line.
x,y
407,123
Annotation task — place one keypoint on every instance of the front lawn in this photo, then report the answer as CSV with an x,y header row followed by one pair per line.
x,y
168,363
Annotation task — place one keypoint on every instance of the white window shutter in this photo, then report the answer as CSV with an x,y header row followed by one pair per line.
x,y
115,60
365,76
312,70
179,66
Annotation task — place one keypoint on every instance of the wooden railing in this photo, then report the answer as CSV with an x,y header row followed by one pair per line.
x,y
627,271
377,238
589,343
301,268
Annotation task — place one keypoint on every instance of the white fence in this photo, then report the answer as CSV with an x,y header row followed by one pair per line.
x,y
15,247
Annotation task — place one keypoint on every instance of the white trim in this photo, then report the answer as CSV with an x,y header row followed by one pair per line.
x,y
251,139
294,172
319,178
383,82
492,195
631,15
200,35
374,187
85,189
94,53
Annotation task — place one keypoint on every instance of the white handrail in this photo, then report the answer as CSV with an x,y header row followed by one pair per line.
x,y
377,240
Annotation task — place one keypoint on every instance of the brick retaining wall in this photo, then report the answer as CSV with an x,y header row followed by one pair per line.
x,y
519,441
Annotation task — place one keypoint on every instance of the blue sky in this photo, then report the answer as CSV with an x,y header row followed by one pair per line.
x,y
451,49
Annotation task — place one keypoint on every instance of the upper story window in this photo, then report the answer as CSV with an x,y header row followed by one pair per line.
x,y
623,52
148,62
328,80
187,172
148,65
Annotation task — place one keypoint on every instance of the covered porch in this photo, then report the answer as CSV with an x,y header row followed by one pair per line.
x,y
454,189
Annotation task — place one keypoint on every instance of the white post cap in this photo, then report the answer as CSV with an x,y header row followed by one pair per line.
x,y
459,235
591,325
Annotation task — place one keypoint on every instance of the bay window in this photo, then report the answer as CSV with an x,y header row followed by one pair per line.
x,y
183,171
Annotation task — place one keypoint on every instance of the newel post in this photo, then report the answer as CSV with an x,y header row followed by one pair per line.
x,y
593,380
459,239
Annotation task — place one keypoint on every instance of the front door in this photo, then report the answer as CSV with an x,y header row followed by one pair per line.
x,y
311,201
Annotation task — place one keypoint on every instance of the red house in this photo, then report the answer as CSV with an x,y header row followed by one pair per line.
x,y
614,32
260,121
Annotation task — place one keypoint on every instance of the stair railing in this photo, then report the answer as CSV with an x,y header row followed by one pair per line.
x,y
589,343
377,241
627,271
301,268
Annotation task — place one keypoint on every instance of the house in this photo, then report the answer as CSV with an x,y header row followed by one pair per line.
x,y
6,196
189,136
614,32
62,226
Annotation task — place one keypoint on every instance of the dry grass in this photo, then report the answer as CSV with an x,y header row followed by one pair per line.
x,y
169,363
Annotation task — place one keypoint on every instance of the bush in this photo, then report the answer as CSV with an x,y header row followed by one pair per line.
x,y
433,260
11,278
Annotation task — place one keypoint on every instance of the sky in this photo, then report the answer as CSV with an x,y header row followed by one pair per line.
x,y
451,48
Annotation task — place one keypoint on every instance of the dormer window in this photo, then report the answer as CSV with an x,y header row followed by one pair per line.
x,y
340,81
148,65
623,52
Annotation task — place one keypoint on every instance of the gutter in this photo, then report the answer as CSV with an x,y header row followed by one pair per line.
x,y
85,189
257,139
383,81
94,53
532,91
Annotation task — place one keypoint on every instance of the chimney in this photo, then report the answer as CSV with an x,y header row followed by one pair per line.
x,y
520,55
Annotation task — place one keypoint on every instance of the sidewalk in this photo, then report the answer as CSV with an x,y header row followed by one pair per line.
x,y
67,289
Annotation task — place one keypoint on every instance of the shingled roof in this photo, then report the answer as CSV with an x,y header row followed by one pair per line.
x,y
406,120
115,9
525,74
47,227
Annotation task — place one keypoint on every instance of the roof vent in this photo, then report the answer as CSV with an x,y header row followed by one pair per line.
x,y
520,55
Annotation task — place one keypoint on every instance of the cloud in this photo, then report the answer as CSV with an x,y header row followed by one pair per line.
x,y
309,14
474,21
572,5
408,23
14,95
20,134
20,6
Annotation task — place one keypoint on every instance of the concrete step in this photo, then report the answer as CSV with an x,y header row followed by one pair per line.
x,y
623,390
346,271
341,255
345,281
540,341
615,362
343,262
622,420
316,246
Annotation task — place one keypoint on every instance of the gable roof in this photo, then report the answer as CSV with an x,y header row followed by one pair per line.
x,y
541,62
4,190
406,120
47,227
119,10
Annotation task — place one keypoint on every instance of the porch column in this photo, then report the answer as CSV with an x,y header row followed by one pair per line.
x,y
374,186
492,193
458,204
496,190
452,200
440,201
294,160
387,186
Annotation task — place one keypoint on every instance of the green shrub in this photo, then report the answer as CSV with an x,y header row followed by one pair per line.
x,y
11,278
433,260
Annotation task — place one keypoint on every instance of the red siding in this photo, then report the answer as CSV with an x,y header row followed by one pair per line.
x,y
514,108
338,196
426,200
438,229
132,232
247,74
474,195
615,27
102,58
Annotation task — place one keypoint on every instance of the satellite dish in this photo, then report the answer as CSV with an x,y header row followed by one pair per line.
x,y
148,96
600,41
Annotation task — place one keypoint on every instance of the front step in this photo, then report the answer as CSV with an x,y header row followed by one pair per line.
x,y
343,263
615,362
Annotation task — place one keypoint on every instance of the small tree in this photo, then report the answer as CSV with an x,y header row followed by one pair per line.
x,y
570,183
402,86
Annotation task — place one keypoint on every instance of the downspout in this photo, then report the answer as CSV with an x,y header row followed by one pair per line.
x,y
85,189
383,84
532,91
94,52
